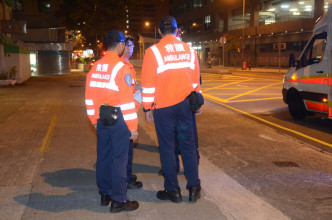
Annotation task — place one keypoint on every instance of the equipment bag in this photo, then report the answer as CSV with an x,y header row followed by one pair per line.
x,y
196,101
108,114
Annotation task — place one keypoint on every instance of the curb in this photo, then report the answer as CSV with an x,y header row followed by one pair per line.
x,y
217,71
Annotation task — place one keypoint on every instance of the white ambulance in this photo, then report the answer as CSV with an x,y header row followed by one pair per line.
x,y
307,87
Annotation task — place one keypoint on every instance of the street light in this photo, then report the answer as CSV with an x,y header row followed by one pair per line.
x,y
147,24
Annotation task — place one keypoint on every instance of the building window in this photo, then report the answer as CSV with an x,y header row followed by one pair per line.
x,y
196,4
288,10
44,6
207,22
206,2
17,5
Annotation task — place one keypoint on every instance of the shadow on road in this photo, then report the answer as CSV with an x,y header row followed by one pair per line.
x,y
76,189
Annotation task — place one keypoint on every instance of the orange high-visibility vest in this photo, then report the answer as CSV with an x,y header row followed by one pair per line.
x,y
170,72
109,82
133,79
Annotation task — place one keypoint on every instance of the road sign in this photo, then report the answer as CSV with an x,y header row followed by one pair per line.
x,y
222,40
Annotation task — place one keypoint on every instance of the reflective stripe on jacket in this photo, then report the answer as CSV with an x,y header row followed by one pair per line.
x,y
170,72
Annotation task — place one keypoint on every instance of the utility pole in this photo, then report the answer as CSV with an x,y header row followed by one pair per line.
x,y
155,34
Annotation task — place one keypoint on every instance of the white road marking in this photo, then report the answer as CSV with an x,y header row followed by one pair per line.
x,y
267,137
233,200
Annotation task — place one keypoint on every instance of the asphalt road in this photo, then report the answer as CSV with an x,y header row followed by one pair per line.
x,y
249,168
289,167
258,95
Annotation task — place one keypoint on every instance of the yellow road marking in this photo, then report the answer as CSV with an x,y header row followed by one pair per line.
x,y
227,84
262,82
213,97
251,100
217,82
237,88
251,91
47,139
216,75
220,101
235,93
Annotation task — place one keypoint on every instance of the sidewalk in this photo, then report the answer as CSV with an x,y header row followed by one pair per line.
x,y
48,155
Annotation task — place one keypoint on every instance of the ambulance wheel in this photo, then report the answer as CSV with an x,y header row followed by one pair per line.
x,y
296,106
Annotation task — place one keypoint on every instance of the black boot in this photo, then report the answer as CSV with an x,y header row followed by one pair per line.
x,y
194,193
134,184
133,177
123,206
105,199
174,195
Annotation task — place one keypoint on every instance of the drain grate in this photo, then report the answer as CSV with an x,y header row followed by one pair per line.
x,y
286,164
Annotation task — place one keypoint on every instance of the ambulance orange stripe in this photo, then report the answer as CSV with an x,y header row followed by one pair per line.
x,y
316,106
309,80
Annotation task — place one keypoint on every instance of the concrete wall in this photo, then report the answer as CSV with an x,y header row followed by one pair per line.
x,y
14,56
45,35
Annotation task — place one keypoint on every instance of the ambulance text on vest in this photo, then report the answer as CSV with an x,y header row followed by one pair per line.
x,y
185,56
100,76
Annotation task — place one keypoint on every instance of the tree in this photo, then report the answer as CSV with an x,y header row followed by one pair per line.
x,y
94,17
75,38
233,44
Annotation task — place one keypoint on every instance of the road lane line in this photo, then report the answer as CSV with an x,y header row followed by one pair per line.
x,y
47,139
221,102
251,91
217,75
227,84
234,93
252,100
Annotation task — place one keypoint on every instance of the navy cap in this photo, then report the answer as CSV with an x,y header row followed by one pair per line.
x,y
168,22
115,36
129,38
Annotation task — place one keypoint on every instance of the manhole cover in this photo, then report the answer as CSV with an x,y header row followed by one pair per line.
x,y
286,164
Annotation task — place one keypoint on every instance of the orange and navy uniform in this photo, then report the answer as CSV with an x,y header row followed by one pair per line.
x,y
170,72
132,71
133,78
109,82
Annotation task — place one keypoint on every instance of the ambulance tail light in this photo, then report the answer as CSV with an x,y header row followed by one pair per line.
x,y
325,100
